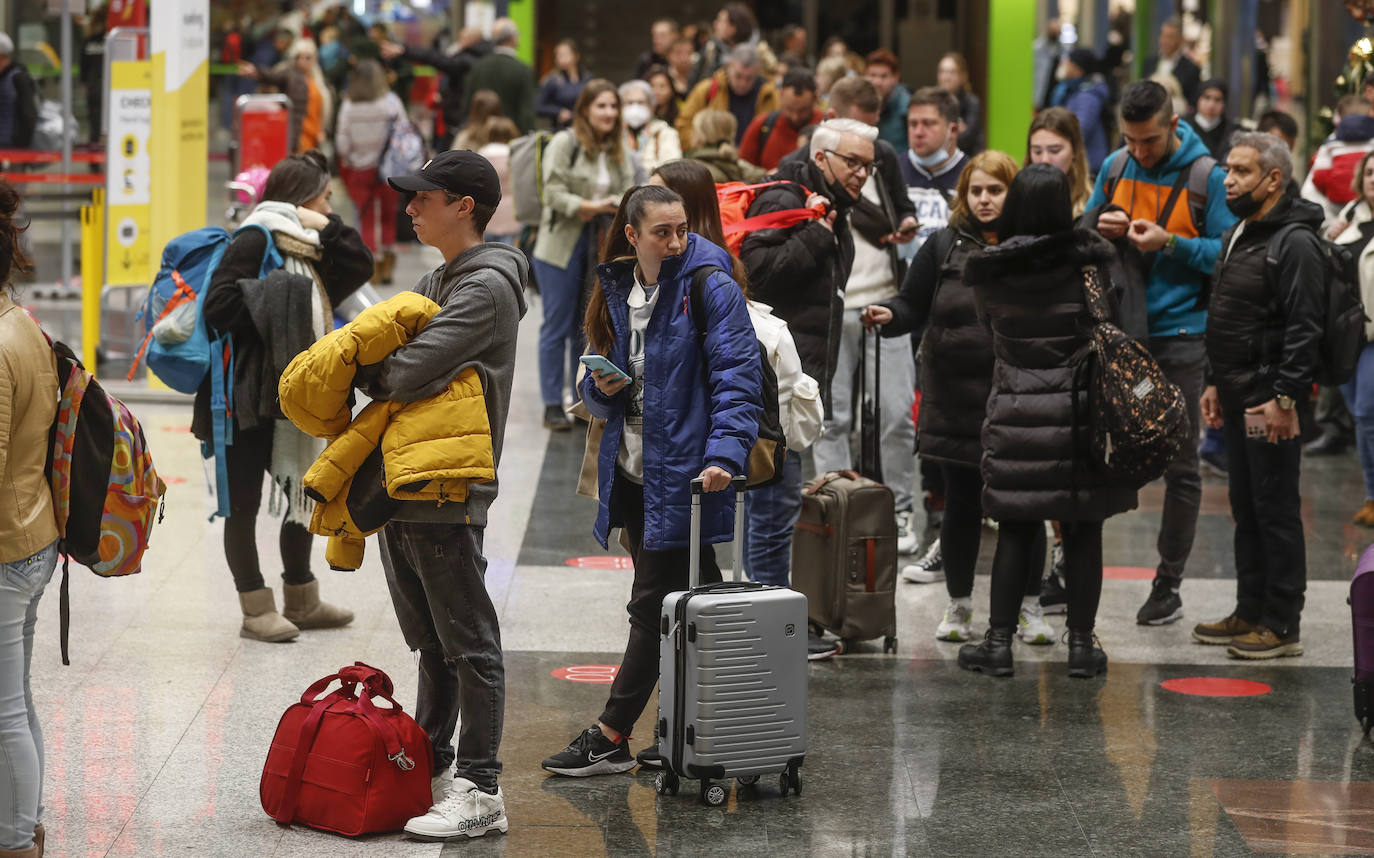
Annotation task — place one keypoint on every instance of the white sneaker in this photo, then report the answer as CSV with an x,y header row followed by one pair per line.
x,y
1031,626
907,541
467,811
957,624
440,785
929,569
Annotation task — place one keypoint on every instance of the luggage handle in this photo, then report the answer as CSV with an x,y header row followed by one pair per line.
x,y
738,483
831,477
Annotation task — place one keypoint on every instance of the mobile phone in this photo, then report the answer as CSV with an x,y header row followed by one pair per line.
x,y
1255,427
599,364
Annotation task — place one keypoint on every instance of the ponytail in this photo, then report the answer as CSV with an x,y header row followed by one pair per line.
x,y
13,259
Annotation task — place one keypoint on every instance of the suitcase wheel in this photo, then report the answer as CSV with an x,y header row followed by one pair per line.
x,y
712,795
747,780
796,781
890,645
666,783
784,783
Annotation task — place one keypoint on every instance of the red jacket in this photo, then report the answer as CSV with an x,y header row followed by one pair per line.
x,y
782,141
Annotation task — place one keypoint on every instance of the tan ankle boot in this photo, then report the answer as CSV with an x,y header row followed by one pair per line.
x,y
38,835
304,608
261,622
388,266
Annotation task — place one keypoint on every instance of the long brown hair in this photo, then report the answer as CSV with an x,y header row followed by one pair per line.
x,y
693,181
582,129
486,106
999,165
600,334
1061,122
13,260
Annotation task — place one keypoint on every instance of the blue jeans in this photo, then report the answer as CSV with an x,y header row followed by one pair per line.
x,y
561,337
21,738
771,514
1359,398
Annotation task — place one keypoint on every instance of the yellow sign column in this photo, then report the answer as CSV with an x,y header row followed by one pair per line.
x,y
181,89
128,175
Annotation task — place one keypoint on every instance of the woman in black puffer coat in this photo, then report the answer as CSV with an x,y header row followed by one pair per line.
x,y
956,376
1036,464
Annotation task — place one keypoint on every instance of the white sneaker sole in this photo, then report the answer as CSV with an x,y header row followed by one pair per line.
x,y
502,825
919,575
1037,639
960,634
601,767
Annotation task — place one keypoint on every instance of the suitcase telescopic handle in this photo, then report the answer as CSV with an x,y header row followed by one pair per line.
x,y
738,483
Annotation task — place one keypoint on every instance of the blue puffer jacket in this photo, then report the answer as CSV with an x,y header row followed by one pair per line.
x,y
701,403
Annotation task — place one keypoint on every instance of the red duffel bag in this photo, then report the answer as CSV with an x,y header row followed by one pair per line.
x,y
339,763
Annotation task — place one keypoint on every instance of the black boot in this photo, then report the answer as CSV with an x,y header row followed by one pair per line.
x,y
1086,658
992,656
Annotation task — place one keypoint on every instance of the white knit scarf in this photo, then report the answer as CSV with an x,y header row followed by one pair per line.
x,y
293,452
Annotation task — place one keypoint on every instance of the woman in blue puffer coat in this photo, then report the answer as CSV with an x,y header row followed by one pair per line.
x,y
691,410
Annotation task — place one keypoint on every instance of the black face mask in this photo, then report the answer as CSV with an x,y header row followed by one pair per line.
x,y
1245,205
839,195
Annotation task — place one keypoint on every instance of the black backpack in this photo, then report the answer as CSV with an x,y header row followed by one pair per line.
x,y
769,455
1139,420
1344,319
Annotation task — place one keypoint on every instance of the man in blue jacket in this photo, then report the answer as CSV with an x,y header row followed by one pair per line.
x,y
1163,196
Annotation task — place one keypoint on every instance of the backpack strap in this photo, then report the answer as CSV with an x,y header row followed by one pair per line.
x,y
1199,174
696,298
766,131
1114,173
1180,181
1092,291
713,90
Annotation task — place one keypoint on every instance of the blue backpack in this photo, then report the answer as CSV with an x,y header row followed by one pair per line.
x,y
179,347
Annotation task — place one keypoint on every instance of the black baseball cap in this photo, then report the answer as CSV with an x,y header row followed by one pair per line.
x,y
459,171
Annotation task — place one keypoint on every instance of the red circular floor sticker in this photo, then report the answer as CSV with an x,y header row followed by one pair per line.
x,y
602,562
598,674
1216,686
1128,573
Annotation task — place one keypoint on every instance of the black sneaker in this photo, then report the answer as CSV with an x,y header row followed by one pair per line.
x,y
591,753
819,648
1163,607
650,758
555,419
1054,597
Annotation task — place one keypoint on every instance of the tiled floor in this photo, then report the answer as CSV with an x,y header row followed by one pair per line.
x,y
157,732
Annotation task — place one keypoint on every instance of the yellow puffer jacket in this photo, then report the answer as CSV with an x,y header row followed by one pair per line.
x,y
431,448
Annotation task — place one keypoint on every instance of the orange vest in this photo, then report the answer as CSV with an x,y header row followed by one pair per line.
x,y
312,130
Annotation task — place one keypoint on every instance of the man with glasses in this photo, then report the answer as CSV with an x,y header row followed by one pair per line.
x,y
802,271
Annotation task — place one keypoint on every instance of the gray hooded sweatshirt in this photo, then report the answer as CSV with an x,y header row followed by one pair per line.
x,y
482,296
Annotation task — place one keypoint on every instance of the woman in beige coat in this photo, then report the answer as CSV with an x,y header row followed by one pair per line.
x,y
28,540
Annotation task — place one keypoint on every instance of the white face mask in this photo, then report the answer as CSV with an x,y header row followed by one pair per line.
x,y
938,157
636,115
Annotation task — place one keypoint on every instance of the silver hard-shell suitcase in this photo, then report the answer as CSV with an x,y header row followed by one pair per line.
x,y
732,677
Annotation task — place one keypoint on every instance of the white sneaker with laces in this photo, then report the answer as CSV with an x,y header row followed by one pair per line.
x,y
907,540
929,569
467,811
957,624
1031,626
439,786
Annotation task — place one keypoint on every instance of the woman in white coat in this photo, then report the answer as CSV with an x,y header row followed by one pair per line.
x,y
1354,229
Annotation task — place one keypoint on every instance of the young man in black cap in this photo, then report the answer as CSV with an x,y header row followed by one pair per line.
x,y
433,554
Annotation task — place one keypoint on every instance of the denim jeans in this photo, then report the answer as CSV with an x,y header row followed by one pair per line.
x,y
561,337
1271,551
1359,396
1181,359
771,512
896,393
657,573
21,738
436,574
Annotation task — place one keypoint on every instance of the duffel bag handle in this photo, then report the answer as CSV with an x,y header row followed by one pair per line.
x,y
373,679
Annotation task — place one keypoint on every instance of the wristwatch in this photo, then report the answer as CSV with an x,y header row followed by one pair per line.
x,y
1285,402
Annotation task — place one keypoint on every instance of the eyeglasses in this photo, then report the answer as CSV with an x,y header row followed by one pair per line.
x,y
851,162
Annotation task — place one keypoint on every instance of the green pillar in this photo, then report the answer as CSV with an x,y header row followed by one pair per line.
x,y
522,13
1011,34
1145,36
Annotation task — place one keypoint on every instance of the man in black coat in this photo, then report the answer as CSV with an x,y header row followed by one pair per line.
x,y
471,47
1172,60
802,270
1264,331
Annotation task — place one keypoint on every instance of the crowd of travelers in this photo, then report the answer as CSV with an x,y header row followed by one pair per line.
x,y
985,273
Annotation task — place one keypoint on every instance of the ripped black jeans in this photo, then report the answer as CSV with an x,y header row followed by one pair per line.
x,y
436,573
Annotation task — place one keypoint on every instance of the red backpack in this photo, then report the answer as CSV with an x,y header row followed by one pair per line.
x,y
735,199
340,763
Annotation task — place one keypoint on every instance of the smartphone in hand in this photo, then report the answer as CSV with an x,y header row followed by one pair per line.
x,y
597,363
